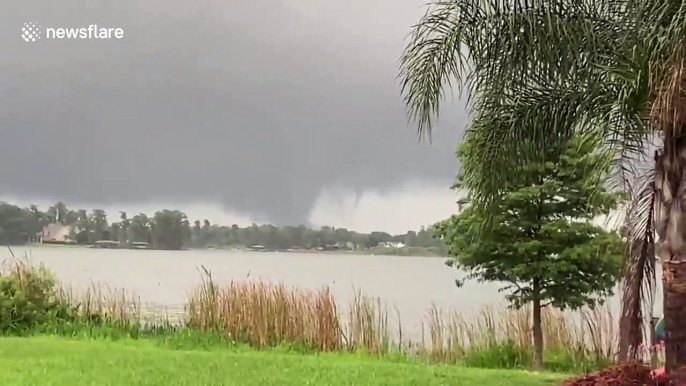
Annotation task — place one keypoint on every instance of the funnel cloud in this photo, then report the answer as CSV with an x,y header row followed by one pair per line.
x,y
259,105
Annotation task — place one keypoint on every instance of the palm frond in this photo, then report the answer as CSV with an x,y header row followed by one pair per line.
x,y
638,284
489,46
668,112
525,128
432,60
535,72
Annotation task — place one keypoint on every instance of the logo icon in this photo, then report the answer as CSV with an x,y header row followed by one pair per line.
x,y
30,32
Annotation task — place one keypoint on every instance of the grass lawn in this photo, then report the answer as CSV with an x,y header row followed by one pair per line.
x,y
64,362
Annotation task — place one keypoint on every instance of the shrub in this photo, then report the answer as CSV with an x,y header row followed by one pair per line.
x,y
29,298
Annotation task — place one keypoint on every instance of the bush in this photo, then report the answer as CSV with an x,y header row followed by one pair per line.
x,y
29,298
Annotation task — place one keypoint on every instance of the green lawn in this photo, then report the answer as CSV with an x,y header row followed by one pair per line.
x,y
63,362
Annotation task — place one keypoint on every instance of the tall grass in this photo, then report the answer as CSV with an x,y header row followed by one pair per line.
x,y
268,315
369,326
503,338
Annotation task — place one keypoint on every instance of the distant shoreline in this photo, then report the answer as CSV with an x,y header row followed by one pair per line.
x,y
379,251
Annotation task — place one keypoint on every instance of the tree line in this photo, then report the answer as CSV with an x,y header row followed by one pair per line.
x,y
172,230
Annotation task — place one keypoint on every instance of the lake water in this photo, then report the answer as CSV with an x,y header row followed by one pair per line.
x,y
165,278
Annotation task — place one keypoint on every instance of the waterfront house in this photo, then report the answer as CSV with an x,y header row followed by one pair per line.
x,y
55,234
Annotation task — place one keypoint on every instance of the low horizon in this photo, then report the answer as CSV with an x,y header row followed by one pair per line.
x,y
395,212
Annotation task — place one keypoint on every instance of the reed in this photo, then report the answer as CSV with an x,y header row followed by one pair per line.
x,y
268,315
573,340
369,326
99,301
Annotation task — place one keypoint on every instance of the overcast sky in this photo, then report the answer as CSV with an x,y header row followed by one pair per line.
x,y
284,111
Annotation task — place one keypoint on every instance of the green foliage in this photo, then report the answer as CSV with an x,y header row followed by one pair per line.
x,y
15,224
28,299
538,237
506,355
570,360
171,230
31,304
572,66
510,355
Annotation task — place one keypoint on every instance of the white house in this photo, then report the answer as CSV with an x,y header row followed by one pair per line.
x,y
55,233
391,244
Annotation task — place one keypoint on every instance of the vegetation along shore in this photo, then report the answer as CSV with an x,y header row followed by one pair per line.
x,y
296,335
172,230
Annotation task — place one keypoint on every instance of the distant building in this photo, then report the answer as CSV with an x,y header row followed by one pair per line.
x,y
391,244
55,233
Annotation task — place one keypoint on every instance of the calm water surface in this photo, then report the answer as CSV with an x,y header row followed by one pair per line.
x,y
165,278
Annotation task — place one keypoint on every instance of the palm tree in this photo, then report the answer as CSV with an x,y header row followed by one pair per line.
x,y
537,72
124,224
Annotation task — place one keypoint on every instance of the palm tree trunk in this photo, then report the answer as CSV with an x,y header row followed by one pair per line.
x,y
674,279
671,229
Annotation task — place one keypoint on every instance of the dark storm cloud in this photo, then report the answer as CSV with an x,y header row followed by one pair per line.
x,y
258,104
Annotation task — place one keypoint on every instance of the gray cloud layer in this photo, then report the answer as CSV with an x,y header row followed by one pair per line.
x,y
259,104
